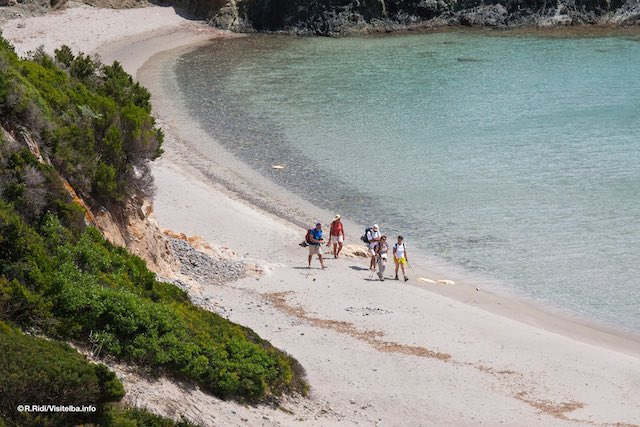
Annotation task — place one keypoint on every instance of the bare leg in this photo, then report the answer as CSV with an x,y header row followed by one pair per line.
x,y
335,253
404,274
310,256
321,261
339,249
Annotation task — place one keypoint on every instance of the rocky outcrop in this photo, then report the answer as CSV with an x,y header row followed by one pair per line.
x,y
337,17
139,233
628,14
494,15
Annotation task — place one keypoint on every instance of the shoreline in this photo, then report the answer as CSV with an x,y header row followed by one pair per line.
x,y
545,352
495,297
514,307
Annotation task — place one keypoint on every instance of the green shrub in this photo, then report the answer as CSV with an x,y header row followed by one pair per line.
x,y
43,372
36,371
119,85
93,119
84,289
64,55
134,417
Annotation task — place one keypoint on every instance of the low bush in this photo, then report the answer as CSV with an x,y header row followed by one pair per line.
x,y
134,417
90,291
35,371
92,119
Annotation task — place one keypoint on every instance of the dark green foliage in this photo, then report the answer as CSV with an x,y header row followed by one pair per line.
x,y
133,417
64,56
83,68
120,86
92,119
39,371
85,289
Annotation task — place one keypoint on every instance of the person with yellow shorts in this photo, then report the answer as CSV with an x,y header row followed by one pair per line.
x,y
400,257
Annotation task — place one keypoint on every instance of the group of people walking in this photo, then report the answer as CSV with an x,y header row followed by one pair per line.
x,y
378,250
377,245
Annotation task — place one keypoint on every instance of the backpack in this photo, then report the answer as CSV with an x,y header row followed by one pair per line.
x,y
365,237
396,246
307,240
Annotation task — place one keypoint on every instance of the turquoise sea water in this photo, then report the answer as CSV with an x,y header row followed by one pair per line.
x,y
516,158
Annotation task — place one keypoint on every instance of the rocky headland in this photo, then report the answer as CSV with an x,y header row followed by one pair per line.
x,y
348,17
335,17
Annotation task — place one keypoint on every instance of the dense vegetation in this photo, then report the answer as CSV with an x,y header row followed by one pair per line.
x,y
92,120
59,277
38,371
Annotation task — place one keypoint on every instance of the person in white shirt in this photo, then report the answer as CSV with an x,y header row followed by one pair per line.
x,y
400,256
373,237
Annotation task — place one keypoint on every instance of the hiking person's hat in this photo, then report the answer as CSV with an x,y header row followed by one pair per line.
x,y
337,217
375,227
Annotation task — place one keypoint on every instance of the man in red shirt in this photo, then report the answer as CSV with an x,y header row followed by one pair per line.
x,y
336,233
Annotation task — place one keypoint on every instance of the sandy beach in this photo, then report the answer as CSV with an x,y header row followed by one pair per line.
x,y
376,353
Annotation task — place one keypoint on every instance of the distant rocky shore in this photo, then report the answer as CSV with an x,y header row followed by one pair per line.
x,y
347,17
333,17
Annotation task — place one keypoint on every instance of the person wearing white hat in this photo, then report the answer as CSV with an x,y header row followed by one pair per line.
x,y
336,235
373,237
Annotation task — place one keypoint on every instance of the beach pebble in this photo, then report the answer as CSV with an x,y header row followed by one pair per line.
x,y
205,269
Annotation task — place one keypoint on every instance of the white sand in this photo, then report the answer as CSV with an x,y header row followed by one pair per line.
x,y
391,353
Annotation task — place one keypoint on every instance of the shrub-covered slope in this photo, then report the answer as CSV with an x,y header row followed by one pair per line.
x,y
71,119
36,371
92,120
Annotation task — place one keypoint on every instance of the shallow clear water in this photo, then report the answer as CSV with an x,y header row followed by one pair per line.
x,y
517,158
